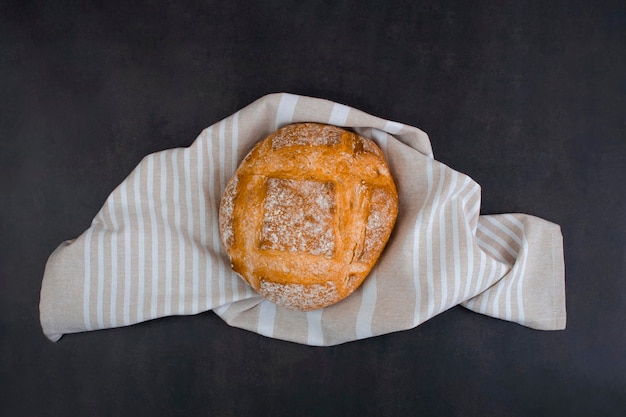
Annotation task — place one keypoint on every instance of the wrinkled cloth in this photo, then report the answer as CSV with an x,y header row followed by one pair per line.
x,y
153,250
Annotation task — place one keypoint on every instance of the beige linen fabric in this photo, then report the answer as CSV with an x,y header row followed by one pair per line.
x,y
153,250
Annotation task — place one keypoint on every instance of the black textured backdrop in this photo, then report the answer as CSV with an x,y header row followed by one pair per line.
x,y
528,98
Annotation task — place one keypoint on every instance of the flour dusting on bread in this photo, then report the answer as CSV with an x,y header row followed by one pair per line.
x,y
312,134
299,296
298,217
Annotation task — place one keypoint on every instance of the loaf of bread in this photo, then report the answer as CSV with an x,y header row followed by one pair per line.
x,y
307,214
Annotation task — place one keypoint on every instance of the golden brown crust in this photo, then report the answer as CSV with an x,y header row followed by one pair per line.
x,y
307,214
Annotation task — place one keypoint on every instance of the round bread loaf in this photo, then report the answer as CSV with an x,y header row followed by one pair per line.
x,y
307,214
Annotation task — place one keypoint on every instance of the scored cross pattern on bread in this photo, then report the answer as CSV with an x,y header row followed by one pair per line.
x,y
307,214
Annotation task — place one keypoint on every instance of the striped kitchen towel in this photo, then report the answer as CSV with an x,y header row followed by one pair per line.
x,y
153,250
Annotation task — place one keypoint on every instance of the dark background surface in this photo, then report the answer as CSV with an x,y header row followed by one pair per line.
x,y
528,98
